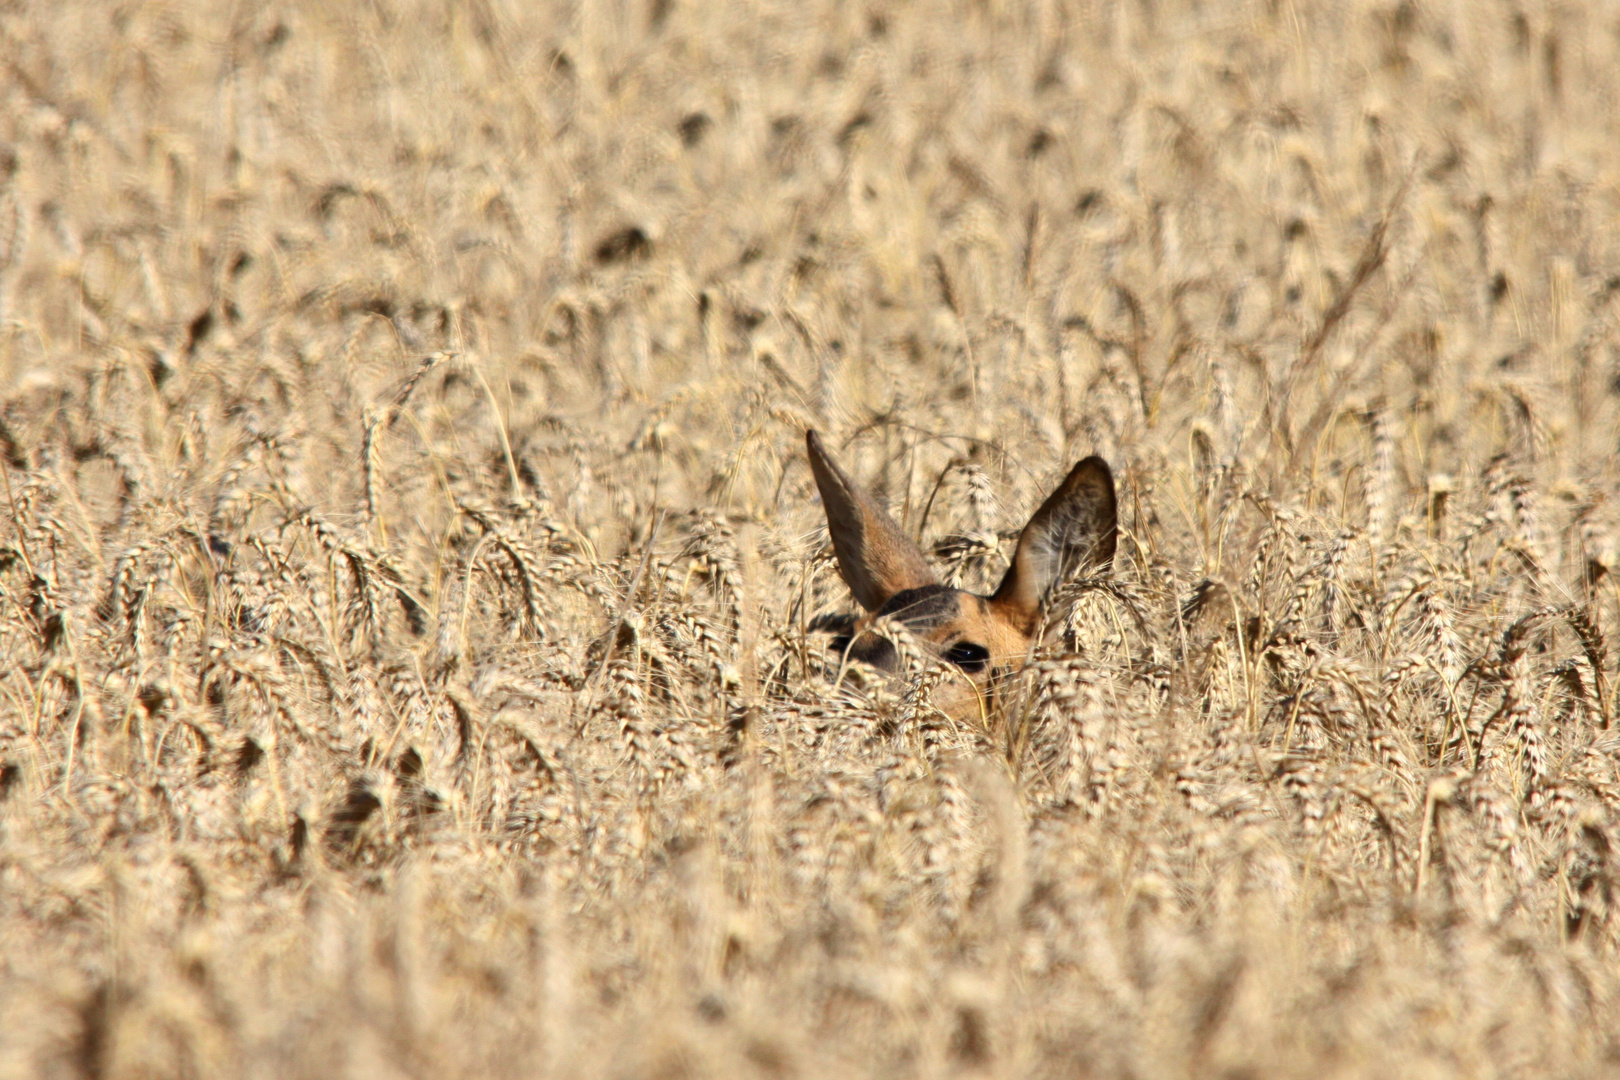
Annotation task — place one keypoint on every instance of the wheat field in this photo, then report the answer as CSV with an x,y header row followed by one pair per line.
x,y
412,583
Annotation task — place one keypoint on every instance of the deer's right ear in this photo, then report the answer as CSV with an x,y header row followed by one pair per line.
x,y
875,558
1075,527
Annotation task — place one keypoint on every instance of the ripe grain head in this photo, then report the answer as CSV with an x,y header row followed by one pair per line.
x,y
418,600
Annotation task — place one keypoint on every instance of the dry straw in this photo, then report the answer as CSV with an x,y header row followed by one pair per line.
x,y
417,604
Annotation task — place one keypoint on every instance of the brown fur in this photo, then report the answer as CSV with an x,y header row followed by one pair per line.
x,y
1076,526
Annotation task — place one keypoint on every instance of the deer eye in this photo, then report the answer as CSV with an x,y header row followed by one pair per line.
x,y
969,656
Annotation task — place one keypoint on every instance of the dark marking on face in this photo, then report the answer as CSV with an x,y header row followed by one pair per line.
x,y
869,649
923,609
840,623
930,610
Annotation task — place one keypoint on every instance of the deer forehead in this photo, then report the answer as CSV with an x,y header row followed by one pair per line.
x,y
941,614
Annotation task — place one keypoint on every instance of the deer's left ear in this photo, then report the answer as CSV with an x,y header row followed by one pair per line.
x,y
1075,527
875,556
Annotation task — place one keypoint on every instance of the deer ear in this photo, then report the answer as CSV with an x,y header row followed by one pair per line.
x,y
875,558
1076,526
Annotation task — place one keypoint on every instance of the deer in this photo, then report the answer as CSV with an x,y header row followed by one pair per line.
x,y
985,638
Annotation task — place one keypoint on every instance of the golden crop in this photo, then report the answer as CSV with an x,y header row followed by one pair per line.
x,y
412,582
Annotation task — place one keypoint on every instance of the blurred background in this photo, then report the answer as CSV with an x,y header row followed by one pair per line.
x,y
410,559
